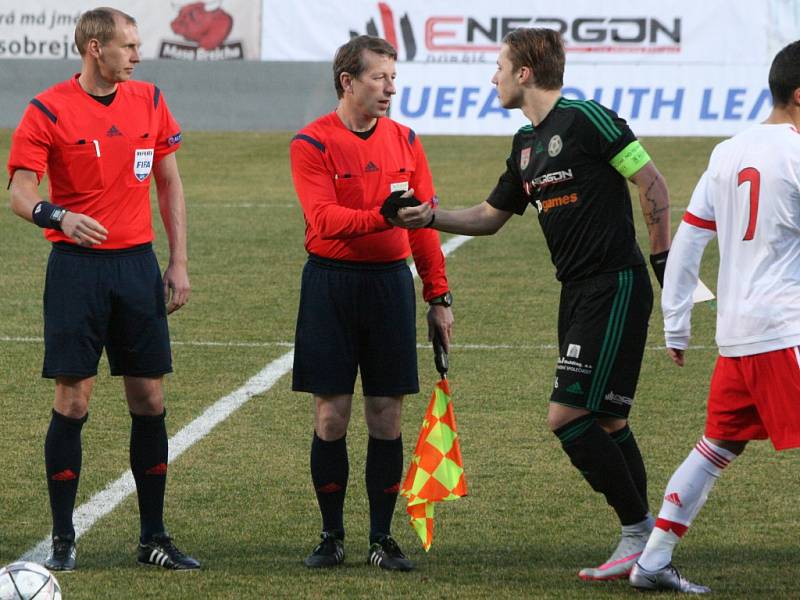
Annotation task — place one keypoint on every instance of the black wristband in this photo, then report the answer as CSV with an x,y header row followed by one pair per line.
x,y
659,264
433,218
48,216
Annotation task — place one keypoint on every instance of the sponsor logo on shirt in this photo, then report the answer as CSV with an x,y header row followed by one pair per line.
x,y
142,163
557,202
174,139
113,131
541,182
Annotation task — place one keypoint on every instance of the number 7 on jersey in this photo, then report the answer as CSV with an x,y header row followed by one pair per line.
x,y
751,175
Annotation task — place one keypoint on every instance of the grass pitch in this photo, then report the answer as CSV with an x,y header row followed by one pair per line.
x,y
241,500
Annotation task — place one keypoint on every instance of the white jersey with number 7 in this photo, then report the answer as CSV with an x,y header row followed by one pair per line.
x,y
750,197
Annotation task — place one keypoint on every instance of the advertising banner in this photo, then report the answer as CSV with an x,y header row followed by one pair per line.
x,y
178,29
662,100
669,68
439,31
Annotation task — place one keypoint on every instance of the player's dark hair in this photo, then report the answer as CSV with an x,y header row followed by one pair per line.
x,y
350,57
540,49
99,24
784,74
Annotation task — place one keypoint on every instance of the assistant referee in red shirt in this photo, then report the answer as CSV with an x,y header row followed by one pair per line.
x,y
357,307
100,137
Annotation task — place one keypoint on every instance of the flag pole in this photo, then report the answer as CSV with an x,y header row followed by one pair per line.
x,y
440,357
436,471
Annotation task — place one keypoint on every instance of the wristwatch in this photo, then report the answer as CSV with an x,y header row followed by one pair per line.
x,y
445,300
56,217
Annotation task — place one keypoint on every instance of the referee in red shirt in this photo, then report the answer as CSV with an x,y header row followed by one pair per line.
x,y
357,296
100,137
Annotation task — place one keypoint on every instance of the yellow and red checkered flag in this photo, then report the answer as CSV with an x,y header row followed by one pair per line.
x,y
436,472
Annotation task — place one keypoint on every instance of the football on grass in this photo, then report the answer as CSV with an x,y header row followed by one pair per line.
x,y
28,581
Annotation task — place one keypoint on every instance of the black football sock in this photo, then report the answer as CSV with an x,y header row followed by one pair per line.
x,y
383,473
330,469
600,461
149,453
62,459
626,441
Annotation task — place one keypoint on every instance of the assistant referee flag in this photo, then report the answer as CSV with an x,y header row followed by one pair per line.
x,y
436,472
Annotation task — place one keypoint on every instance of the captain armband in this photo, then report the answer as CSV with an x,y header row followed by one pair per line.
x,y
632,158
48,216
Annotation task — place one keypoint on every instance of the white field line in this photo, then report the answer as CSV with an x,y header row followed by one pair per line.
x,y
454,345
102,503
451,245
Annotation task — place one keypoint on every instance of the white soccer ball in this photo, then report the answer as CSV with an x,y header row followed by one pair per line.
x,y
28,581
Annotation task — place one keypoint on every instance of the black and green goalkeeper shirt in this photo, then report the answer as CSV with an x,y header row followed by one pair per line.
x,y
573,167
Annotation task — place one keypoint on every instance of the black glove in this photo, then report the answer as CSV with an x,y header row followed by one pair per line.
x,y
395,202
659,264
439,355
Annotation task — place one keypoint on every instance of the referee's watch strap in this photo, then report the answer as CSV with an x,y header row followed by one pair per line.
x,y
48,216
445,300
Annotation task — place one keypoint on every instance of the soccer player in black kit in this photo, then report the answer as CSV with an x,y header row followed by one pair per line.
x,y
571,163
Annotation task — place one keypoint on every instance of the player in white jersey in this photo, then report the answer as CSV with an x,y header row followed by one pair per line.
x,y
750,197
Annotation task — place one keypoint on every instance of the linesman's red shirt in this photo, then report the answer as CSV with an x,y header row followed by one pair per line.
x,y
342,181
99,159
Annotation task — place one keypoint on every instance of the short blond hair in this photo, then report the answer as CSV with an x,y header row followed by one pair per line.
x,y
99,24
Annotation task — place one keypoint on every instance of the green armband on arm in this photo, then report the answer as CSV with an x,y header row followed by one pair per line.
x,y
632,158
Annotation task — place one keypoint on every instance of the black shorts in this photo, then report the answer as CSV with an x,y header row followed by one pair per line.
x,y
602,330
351,316
112,299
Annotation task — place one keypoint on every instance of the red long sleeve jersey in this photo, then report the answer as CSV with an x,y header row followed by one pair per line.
x,y
98,158
342,180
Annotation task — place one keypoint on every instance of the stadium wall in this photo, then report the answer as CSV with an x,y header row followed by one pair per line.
x,y
226,95
669,68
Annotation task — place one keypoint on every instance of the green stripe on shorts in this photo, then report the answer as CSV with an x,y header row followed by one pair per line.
x,y
611,340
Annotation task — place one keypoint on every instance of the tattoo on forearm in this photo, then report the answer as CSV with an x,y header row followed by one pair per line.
x,y
651,196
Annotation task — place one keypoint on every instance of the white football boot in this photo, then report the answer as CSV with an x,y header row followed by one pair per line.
x,y
619,564
666,578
